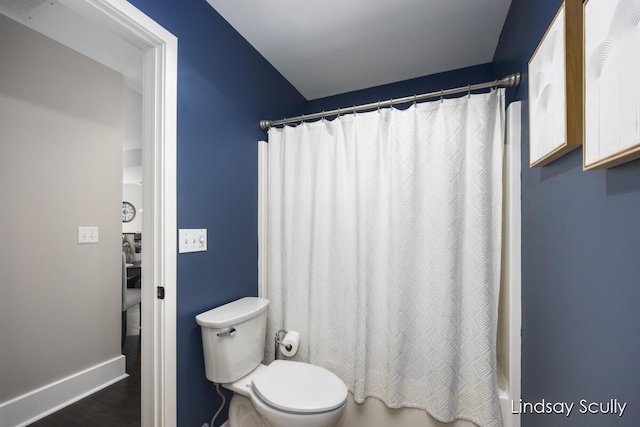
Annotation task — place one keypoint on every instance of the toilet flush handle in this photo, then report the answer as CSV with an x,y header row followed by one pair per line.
x,y
229,332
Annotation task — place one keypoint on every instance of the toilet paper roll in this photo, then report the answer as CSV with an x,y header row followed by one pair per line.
x,y
292,338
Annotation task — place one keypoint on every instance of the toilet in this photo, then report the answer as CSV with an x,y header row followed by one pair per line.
x,y
282,394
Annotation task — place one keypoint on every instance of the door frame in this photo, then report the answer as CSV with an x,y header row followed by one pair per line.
x,y
159,127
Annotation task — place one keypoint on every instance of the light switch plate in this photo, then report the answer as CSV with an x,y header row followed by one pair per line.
x,y
192,240
88,235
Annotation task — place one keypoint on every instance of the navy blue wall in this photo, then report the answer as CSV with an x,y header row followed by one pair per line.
x,y
432,83
224,88
580,262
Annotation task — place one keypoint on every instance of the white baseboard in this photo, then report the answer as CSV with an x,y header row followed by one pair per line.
x,y
30,407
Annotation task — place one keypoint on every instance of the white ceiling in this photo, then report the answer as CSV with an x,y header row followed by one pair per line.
x,y
334,46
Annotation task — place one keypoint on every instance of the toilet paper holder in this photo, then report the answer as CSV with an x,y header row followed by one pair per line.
x,y
278,341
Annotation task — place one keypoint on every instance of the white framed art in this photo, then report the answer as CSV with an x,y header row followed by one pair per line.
x,y
612,85
555,88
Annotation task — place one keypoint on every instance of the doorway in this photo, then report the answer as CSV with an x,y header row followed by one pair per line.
x,y
158,70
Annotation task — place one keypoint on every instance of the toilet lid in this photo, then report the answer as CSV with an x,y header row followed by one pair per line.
x,y
299,387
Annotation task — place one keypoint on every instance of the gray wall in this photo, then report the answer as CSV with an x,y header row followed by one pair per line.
x,y
60,168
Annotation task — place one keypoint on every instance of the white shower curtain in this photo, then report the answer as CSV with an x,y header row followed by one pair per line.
x,y
384,235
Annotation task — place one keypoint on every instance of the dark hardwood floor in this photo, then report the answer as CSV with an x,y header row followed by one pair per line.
x,y
115,406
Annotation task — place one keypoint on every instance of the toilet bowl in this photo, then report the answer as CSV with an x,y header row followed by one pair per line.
x,y
282,394
287,394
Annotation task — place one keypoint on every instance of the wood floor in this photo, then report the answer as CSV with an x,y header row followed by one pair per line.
x,y
115,406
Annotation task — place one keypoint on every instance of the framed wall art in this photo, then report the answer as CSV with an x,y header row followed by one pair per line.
x,y
612,85
555,88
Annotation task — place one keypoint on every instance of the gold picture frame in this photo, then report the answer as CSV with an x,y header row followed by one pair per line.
x,y
555,88
611,83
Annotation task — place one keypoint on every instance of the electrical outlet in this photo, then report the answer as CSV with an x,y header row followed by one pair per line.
x,y
192,240
88,235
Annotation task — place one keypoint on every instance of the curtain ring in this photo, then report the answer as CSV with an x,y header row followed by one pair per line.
x,y
469,91
441,96
378,106
354,111
338,112
414,100
303,118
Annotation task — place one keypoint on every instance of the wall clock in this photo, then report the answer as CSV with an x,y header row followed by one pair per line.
x,y
128,212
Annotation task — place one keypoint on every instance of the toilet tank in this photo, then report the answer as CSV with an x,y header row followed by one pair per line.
x,y
233,338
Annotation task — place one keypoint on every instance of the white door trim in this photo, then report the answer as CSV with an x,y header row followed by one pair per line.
x,y
512,266
263,164
159,117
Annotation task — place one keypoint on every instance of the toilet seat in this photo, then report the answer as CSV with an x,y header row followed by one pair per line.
x,y
299,388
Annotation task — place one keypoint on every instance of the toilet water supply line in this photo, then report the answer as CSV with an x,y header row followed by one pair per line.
x,y
224,400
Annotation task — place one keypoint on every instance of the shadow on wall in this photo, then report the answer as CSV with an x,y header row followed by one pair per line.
x,y
619,180
560,166
622,179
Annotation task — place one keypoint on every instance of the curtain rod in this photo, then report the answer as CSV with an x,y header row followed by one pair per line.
x,y
510,80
